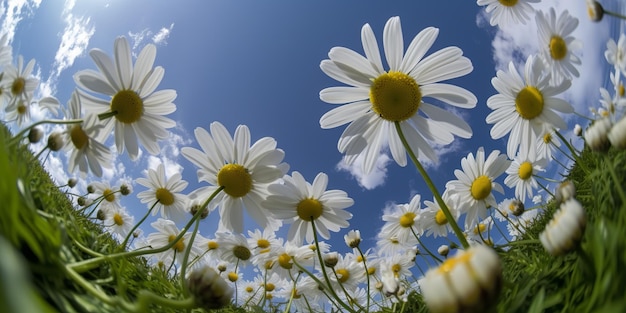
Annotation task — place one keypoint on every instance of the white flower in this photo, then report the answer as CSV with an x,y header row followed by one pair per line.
x,y
6,53
18,82
565,229
481,233
596,135
403,220
86,152
352,238
615,53
555,36
298,202
433,221
243,170
167,232
117,221
469,281
103,189
504,12
617,134
234,248
546,144
163,193
524,107
348,272
138,109
521,175
473,188
376,99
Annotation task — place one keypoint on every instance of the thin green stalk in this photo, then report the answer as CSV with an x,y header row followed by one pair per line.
x,y
615,14
424,246
183,269
573,152
130,233
546,189
442,205
367,275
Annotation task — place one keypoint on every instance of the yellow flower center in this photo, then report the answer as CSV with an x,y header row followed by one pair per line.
x,y
547,138
450,263
440,218
395,96
263,243
284,260
481,187
508,3
371,271
621,90
343,275
558,48
127,105
235,179
213,245
295,294
22,108
525,170
529,102
164,196
109,195
480,228
407,220
396,268
242,253
249,289
179,246
17,88
79,137
232,276
270,287
309,209
394,240
117,219
359,259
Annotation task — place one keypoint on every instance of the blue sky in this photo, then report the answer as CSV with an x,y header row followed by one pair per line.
x,y
257,63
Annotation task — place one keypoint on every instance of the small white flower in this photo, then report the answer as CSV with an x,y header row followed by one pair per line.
x,y
352,238
596,135
522,173
163,193
565,229
443,250
617,134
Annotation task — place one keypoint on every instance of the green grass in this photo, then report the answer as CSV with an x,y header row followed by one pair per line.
x,y
39,226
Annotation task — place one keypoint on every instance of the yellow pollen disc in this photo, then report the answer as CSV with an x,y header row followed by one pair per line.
x,y
117,219
481,187
178,246
242,253
79,137
359,259
407,220
235,179
269,296
164,196
396,268
22,109
268,265
547,138
309,209
395,241
249,289
108,195
529,102
395,96
440,218
371,270
263,243
343,275
17,88
128,105
525,170
295,294
312,247
621,90
213,245
284,260
450,263
232,276
480,228
269,287
558,48
508,3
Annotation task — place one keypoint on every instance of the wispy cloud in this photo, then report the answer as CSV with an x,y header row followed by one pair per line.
x,y
158,38
13,11
161,36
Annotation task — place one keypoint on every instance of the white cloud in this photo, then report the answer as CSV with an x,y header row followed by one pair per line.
x,y
161,36
368,181
13,11
74,41
138,37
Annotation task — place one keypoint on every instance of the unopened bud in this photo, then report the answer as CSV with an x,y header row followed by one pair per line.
x,y
101,215
516,207
55,141
443,250
209,290
331,259
72,182
91,189
35,134
81,201
194,209
125,190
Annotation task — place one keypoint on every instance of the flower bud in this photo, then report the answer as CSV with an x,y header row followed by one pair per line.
x,y
578,130
469,281
81,201
55,141
72,182
565,191
443,250
194,209
565,229
390,283
516,207
35,134
209,290
353,238
125,190
596,135
91,189
595,10
331,259
617,134
101,215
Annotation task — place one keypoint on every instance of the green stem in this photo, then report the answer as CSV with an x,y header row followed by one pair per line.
x,y
573,152
130,233
367,276
618,184
183,269
19,135
442,205
106,115
95,262
615,14
424,246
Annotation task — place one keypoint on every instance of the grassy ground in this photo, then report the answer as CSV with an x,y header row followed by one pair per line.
x,y
39,225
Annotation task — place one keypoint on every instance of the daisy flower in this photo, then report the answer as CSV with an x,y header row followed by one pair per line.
x,y
348,273
521,175
118,221
138,110
547,144
298,202
615,52
376,99
481,233
19,82
103,189
433,221
525,106
387,244
243,170
403,220
472,189
234,248
86,152
504,12
166,233
163,193
555,35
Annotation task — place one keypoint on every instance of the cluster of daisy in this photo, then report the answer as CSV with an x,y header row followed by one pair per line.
x,y
398,108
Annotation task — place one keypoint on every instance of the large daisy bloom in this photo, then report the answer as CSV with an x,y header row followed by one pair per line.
x,y
137,108
472,189
86,152
555,36
525,106
403,220
375,99
504,12
243,170
164,191
299,202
